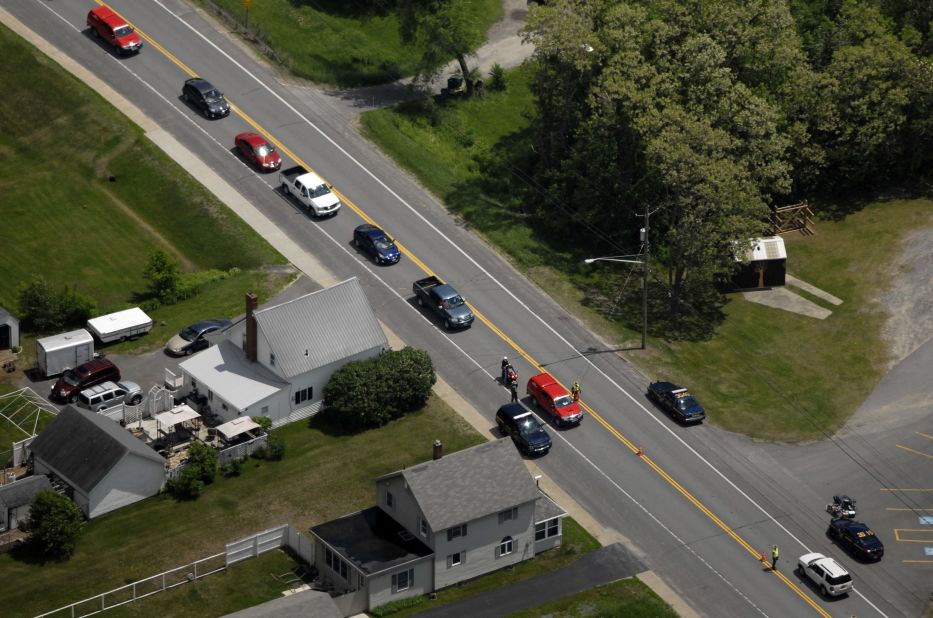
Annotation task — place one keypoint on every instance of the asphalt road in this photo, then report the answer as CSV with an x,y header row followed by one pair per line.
x,y
699,508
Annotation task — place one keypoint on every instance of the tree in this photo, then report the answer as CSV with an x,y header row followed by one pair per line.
x,y
203,460
163,274
46,310
54,525
445,31
371,392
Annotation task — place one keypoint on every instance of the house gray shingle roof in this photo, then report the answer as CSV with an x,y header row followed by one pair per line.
x,y
23,491
470,484
320,328
83,446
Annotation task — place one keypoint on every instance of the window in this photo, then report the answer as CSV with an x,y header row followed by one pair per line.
x,y
456,559
508,514
390,500
265,411
403,580
303,394
505,547
336,563
328,557
423,524
456,531
271,359
547,529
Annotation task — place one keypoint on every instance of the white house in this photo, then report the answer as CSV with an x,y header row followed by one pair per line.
x,y
277,360
101,464
438,523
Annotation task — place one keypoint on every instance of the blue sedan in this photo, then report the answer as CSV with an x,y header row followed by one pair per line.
x,y
376,244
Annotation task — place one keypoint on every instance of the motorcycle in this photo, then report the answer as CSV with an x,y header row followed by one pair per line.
x,y
842,506
510,375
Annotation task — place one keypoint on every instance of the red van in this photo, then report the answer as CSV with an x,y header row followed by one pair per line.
x,y
75,380
107,25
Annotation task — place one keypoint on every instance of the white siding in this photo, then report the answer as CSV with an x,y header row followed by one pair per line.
x,y
79,497
380,585
480,544
133,479
405,510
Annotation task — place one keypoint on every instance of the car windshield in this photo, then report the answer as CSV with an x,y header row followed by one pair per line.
x,y
383,244
685,403
563,401
529,426
839,579
213,95
452,302
867,538
189,333
122,31
319,191
264,150
71,378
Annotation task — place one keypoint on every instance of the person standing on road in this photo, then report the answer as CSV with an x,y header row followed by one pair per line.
x,y
505,370
774,558
513,386
575,392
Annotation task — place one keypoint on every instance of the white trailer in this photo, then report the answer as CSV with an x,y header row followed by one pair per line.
x,y
120,325
59,353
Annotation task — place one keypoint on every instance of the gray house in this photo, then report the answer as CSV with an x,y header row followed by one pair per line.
x,y
277,360
101,464
9,330
438,523
16,499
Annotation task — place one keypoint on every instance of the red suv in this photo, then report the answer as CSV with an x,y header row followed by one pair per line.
x,y
113,29
75,380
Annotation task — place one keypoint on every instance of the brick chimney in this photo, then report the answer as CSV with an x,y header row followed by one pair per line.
x,y
251,304
438,449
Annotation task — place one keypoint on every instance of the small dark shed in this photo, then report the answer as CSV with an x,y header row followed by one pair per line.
x,y
766,267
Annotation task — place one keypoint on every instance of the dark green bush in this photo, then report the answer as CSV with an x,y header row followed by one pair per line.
x,y
497,79
186,486
54,524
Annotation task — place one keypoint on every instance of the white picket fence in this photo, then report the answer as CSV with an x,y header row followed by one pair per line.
x,y
250,547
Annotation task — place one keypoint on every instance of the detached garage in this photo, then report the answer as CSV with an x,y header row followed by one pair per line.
x,y
102,464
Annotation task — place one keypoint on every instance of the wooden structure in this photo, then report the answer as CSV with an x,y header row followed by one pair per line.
x,y
796,217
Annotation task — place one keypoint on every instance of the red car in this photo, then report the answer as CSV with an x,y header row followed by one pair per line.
x,y
554,399
258,150
107,25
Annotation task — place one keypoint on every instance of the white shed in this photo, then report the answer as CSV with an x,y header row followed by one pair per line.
x,y
102,464
9,330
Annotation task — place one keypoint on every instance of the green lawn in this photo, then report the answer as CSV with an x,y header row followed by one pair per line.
x,y
340,42
765,373
576,542
64,220
321,477
627,598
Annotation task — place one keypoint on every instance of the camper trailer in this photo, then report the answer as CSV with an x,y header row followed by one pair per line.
x,y
120,325
59,353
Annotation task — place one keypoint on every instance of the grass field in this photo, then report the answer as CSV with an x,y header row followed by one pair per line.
x,y
765,373
65,221
339,42
628,598
322,476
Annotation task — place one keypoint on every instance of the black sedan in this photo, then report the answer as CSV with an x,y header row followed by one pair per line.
x,y
857,538
376,244
193,338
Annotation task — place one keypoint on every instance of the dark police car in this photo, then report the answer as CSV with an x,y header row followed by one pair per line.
x,y
526,430
857,538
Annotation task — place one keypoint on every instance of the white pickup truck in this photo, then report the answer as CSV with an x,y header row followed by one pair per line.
x,y
310,190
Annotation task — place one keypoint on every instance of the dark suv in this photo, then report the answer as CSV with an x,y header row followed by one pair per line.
x,y
205,98
857,538
75,380
526,430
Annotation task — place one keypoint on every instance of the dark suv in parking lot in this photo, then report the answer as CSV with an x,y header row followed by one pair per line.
x,y
525,429
205,98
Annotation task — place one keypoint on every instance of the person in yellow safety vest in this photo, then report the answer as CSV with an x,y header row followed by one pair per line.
x,y
774,557
575,391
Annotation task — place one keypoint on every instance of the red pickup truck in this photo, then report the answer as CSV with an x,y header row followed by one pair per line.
x,y
554,399
107,25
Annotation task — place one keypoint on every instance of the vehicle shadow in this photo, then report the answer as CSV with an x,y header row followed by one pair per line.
x,y
434,319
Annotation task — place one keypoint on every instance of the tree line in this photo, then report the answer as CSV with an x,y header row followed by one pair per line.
x,y
710,113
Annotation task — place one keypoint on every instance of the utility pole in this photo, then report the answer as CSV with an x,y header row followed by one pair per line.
x,y
644,283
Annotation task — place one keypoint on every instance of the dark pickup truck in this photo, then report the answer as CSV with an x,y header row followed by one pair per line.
x,y
443,300
676,401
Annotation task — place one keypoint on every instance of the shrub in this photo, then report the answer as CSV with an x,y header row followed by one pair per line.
x,y
186,486
234,468
265,422
274,450
372,392
396,606
163,274
55,522
46,310
203,460
497,80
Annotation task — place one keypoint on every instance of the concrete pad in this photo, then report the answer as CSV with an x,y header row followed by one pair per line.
x,y
812,289
782,298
